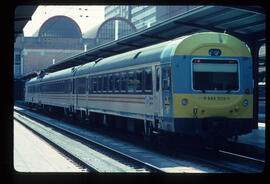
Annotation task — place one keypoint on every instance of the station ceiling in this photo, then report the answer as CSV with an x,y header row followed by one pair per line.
x,y
22,15
245,22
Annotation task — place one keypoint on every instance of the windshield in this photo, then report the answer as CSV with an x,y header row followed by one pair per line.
x,y
215,74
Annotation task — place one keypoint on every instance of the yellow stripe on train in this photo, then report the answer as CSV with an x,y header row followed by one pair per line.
x,y
210,105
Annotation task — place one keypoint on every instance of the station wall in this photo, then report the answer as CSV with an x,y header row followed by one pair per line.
x,y
38,59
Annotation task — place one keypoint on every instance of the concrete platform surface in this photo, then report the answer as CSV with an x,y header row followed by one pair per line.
x,y
255,138
33,154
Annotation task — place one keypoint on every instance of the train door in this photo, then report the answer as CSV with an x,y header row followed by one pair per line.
x,y
157,93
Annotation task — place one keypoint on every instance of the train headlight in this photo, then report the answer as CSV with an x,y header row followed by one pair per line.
x,y
184,101
245,102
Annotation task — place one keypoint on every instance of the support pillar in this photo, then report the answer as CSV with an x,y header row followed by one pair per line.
x,y
254,48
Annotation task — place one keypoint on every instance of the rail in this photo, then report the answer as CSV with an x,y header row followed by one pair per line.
x,y
134,162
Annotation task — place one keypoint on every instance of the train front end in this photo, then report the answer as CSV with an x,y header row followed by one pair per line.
x,y
212,86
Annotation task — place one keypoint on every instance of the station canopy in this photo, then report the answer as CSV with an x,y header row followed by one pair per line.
x,y
244,22
22,15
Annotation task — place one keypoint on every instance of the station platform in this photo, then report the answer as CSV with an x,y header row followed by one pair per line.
x,y
255,138
33,154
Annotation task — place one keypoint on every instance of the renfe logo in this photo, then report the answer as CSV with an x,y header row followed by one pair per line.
x,y
214,52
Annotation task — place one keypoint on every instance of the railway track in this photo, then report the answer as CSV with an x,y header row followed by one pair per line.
x,y
234,162
119,162
190,162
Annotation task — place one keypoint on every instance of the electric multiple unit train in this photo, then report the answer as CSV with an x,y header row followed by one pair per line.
x,y
195,85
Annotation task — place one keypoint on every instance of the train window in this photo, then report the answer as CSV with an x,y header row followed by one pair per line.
x,y
34,88
73,86
148,80
50,88
157,78
215,74
76,86
124,82
30,89
99,84
166,75
94,84
105,83
58,87
55,87
44,88
131,82
89,85
40,88
63,88
116,83
81,85
47,89
138,81
37,88
68,87
111,83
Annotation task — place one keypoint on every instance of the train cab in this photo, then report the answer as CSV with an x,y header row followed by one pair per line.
x,y
211,86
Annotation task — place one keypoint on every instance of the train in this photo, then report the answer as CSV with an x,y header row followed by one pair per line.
x,y
195,85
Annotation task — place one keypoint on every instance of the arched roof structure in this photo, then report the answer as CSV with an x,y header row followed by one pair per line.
x,y
60,27
107,30
132,26
95,31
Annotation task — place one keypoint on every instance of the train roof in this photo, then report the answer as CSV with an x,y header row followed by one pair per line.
x,y
186,45
155,53
66,73
139,56
33,80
